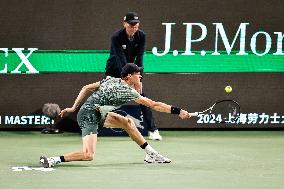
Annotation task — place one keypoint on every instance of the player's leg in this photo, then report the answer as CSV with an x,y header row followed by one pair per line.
x,y
88,151
88,122
86,154
114,120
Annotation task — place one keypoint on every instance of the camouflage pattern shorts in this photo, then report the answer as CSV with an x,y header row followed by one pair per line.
x,y
89,121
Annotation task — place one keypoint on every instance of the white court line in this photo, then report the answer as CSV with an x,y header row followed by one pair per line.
x,y
27,168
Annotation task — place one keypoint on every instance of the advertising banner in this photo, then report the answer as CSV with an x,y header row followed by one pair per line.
x,y
260,96
194,49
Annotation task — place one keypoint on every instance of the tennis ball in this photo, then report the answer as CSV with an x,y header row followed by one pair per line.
x,y
228,89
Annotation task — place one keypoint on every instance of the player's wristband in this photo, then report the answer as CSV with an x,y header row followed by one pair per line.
x,y
175,110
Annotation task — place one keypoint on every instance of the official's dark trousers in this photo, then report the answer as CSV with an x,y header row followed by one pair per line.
x,y
148,117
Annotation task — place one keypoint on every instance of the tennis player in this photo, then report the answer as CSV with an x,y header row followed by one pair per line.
x,y
98,100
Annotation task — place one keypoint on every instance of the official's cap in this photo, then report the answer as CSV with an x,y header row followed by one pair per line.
x,y
131,18
130,68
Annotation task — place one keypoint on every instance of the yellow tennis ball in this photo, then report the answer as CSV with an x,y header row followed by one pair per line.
x,y
228,89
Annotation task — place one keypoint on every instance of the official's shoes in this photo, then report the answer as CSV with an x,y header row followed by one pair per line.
x,y
155,135
156,158
46,162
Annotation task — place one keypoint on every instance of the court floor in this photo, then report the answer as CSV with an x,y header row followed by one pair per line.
x,y
201,159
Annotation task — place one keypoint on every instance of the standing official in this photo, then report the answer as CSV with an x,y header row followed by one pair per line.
x,y
127,46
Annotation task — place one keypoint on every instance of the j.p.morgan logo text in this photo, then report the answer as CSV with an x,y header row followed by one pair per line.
x,y
221,37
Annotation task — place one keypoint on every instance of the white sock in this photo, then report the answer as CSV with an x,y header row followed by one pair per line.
x,y
57,160
150,150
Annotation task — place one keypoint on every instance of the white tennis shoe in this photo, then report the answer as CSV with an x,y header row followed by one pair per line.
x,y
155,135
156,158
47,162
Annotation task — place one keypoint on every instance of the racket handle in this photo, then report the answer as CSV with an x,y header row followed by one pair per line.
x,y
193,114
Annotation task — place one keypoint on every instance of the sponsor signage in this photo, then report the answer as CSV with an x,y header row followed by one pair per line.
x,y
25,120
244,118
49,61
246,43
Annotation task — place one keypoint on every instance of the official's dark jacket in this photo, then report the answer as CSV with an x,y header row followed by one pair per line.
x,y
125,51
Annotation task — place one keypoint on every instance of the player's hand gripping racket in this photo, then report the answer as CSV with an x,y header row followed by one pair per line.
x,y
229,110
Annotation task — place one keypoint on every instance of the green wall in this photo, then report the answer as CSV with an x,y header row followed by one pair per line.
x,y
95,60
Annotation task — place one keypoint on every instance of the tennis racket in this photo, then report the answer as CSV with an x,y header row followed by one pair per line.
x,y
225,111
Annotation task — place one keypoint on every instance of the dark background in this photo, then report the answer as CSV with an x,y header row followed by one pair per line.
x,y
255,92
88,24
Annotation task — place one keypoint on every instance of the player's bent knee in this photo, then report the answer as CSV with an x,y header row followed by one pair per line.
x,y
88,156
130,124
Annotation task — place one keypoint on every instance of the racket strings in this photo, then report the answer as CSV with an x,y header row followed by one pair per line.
x,y
228,110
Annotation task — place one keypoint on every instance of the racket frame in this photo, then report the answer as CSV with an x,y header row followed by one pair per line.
x,y
194,114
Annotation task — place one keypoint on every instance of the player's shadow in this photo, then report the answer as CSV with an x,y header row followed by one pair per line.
x,y
118,164
102,165
71,165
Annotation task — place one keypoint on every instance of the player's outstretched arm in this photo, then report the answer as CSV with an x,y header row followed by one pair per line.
x,y
85,92
161,107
